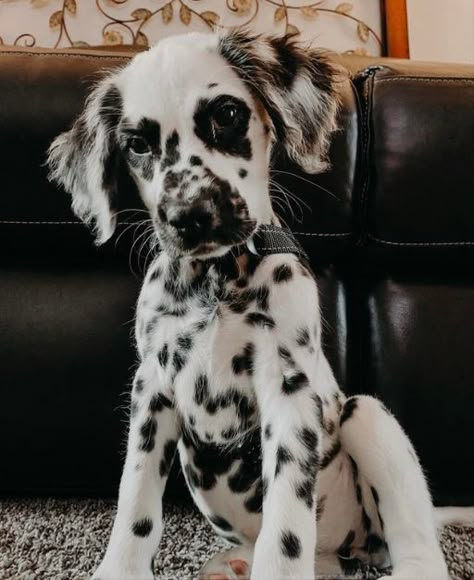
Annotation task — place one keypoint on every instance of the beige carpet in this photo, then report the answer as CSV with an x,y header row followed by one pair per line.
x,y
65,539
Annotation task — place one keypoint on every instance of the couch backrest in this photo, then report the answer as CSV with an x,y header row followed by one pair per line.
x,y
389,230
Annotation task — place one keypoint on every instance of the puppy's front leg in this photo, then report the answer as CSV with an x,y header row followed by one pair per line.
x,y
151,446
290,421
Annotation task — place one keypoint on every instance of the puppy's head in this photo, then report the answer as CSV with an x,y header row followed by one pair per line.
x,y
194,120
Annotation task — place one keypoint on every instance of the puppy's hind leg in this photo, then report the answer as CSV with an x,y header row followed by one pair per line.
x,y
386,459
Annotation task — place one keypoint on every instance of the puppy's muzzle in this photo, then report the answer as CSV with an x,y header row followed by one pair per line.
x,y
194,220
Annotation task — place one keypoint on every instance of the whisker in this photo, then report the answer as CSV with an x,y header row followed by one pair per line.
x,y
307,181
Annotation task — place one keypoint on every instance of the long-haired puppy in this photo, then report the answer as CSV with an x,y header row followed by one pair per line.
x,y
299,479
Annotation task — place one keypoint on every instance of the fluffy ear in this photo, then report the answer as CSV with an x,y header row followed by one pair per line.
x,y
85,159
297,87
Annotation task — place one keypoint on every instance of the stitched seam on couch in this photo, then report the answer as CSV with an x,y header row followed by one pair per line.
x,y
421,244
63,223
69,55
428,80
367,94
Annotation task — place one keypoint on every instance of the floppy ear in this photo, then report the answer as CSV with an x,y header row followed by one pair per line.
x,y
297,87
85,159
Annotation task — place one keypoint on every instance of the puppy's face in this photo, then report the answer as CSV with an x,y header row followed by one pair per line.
x,y
196,144
194,120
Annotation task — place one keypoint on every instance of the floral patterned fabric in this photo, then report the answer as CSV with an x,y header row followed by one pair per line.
x,y
342,26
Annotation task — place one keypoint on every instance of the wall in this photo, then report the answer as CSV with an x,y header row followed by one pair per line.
x,y
441,30
341,26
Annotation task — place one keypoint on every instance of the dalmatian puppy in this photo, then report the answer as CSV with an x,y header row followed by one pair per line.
x,y
299,479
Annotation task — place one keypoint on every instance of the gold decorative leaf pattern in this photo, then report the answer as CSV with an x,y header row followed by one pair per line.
x,y
242,6
141,14
113,38
210,17
363,31
70,6
344,7
293,30
167,13
280,14
185,14
142,39
56,19
309,12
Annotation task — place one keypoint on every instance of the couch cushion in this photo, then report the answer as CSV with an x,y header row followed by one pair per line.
x,y
419,137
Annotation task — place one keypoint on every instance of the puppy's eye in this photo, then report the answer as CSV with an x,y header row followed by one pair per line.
x,y
138,145
226,116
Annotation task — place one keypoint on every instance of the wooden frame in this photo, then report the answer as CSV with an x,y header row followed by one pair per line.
x,y
394,15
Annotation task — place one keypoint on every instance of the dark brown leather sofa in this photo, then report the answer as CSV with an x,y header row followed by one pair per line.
x,y
390,232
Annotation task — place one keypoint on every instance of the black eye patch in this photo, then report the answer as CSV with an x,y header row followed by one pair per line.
x,y
222,124
141,145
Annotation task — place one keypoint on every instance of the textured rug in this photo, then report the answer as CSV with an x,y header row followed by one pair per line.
x,y
65,540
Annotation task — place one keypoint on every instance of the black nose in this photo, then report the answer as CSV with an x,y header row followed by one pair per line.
x,y
193,219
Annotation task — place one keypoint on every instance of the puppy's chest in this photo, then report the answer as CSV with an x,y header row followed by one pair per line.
x,y
204,352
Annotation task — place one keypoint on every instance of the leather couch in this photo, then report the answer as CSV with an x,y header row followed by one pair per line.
x,y
389,229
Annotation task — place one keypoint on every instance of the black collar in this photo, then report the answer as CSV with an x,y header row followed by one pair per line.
x,y
270,239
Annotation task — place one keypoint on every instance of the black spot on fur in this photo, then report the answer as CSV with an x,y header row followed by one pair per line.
x,y
148,432
254,503
366,521
358,494
194,160
150,130
184,342
243,173
245,476
286,356
268,432
168,456
221,523
201,390
290,545
139,385
283,456
375,495
374,543
233,540
320,507
305,491
348,410
282,273
294,383
142,528
258,319
179,360
229,433
212,85
231,140
244,362
163,355
158,402
156,273
288,62
309,438
330,454
303,337
349,565
172,154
